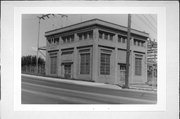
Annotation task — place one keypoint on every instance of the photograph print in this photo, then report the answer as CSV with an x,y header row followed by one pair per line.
x,y
89,59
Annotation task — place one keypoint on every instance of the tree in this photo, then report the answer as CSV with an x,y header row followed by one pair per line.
x,y
28,64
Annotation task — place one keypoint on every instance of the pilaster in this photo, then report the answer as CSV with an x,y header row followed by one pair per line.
x,y
95,55
60,41
47,58
76,38
47,64
116,78
75,58
59,63
131,68
75,62
59,57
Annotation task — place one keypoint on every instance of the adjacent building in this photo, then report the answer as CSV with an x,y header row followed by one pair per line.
x,y
152,62
95,50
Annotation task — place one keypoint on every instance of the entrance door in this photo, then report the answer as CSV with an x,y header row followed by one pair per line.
x,y
122,72
67,70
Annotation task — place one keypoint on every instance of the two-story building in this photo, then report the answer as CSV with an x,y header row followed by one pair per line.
x,y
95,50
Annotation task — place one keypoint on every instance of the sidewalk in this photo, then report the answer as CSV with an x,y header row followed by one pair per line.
x,y
77,82
138,87
143,87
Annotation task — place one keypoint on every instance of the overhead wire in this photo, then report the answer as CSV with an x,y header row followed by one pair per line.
x,y
152,18
149,21
137,26
145,23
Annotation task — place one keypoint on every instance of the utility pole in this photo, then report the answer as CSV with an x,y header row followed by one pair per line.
x,y
128,52
39,18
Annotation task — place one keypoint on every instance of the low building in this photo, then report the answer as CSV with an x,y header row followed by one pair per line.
x,y
95,50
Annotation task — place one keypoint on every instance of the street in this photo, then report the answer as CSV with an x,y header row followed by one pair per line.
x,y
42,90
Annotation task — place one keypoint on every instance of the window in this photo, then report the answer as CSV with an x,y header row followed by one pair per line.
x,y
142,44
90,35
122,39
49,42
100,35
53,64
52,40
64,40
106,36
72,38
68,39
123,67
139,42
119,39
85,35
138,66
111,37
105,64
80,37
85,63
56,41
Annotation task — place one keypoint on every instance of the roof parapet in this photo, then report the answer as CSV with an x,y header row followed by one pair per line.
x,y
95,22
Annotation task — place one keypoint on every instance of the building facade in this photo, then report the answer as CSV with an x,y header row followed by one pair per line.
x,y
95,50
152,62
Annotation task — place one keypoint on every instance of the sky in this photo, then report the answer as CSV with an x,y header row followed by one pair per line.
x,y
142,22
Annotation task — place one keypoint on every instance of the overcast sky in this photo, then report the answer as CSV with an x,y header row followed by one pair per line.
x,y
146,23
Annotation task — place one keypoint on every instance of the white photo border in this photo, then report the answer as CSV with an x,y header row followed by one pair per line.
x,y
161,39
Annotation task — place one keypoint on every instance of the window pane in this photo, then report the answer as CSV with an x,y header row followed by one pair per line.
x,y
138,66
111,37
72,38
53,65
85,35
85,63
100,35
90,35
80,37
105,64
106,36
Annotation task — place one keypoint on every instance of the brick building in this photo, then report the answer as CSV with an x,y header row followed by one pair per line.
x,y
95,50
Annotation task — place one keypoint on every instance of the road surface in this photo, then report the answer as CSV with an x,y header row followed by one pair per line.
x,y
37,90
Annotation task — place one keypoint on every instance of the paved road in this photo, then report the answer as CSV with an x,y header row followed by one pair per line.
x,y
38,91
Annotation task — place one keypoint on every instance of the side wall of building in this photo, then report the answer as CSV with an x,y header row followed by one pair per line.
x,y
71,54
142,78
106,78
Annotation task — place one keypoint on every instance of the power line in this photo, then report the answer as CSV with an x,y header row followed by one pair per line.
x,y
152,18
145,23
142,28
149,21
42,17
137,26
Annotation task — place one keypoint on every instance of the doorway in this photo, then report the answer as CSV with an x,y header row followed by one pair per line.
x,y
67,71
122,72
